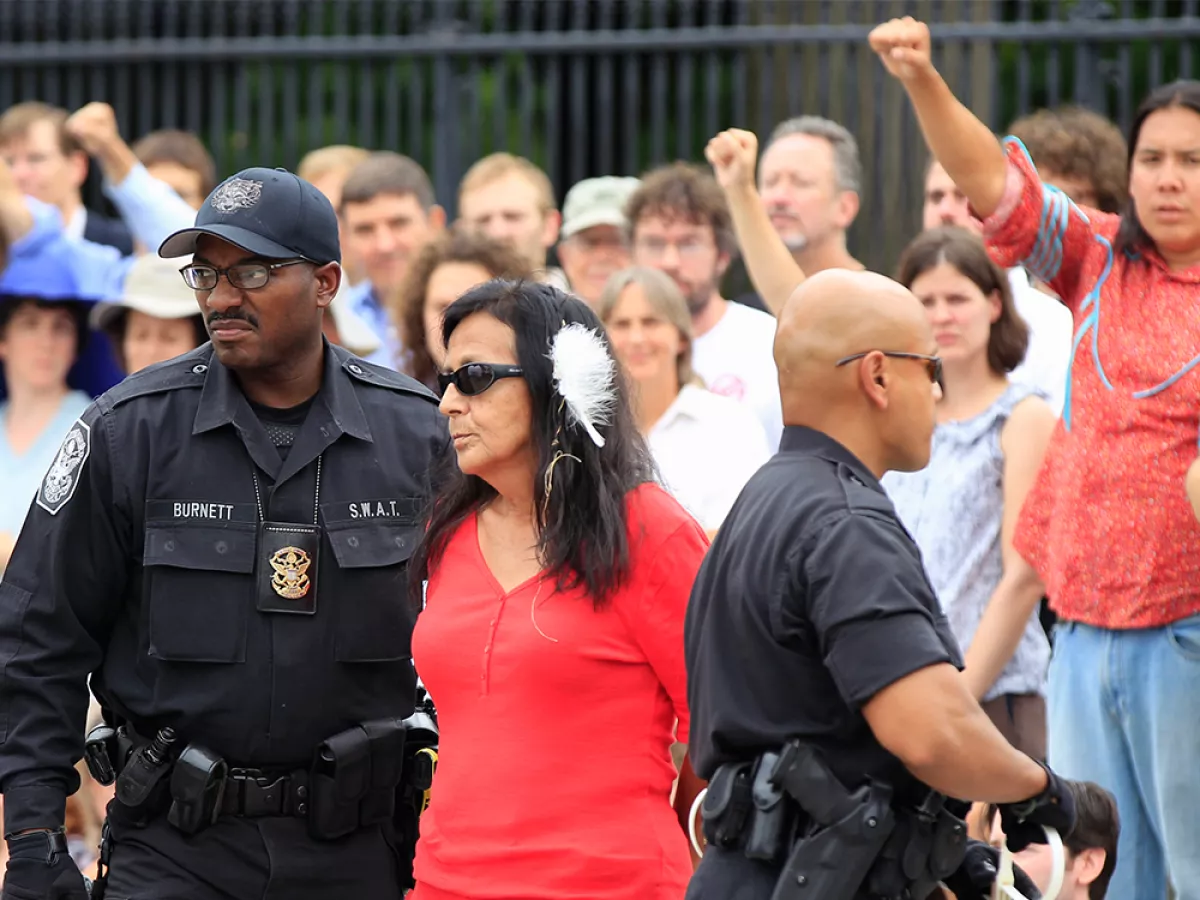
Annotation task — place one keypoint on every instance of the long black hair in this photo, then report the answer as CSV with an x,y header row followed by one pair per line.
x,y
582,527
1131,236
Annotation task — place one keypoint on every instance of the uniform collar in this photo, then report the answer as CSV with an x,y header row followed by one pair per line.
x,y
801,439
336,410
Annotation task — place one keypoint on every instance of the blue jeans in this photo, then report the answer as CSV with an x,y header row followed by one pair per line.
x,y
1124,712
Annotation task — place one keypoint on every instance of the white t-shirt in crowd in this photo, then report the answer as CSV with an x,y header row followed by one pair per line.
x,y
1050,333
706,448
734,358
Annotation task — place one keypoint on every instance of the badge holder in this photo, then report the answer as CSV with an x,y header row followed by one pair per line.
x,y
287,568
287,561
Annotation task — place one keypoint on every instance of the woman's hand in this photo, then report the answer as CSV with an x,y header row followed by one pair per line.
x,y
904,47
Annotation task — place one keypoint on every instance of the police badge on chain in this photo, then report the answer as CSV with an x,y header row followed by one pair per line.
x,y
287,568
60,482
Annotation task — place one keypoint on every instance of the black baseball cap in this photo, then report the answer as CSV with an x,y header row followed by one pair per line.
x,y
268,212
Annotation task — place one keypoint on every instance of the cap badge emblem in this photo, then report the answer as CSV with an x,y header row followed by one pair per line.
x,y
235,194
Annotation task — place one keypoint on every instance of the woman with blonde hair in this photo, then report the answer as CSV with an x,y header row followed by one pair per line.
x,y
705,446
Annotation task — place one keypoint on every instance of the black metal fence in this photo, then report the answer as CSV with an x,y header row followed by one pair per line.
x,y
582,87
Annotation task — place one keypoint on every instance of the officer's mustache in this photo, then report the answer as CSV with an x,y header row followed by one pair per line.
x,y
215,318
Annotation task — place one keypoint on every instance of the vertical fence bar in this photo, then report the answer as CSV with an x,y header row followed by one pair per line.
x,y
51,89
606,95
582,114
8,95
417,143
1024,15
1186,47
470,88
766,72
737,102
552,111
1054,60
218,127
715,108
28,32
392,81
685,94
367,72
658,89
169,101
196,91
500,83
289,89
266,152
631,138
243,107
1156,57
444,163
76,74
315,77
527,86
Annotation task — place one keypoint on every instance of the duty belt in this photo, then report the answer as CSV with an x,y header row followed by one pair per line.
x,y
788,809
352,784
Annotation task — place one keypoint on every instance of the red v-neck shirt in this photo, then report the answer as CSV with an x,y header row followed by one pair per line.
x,y
554,772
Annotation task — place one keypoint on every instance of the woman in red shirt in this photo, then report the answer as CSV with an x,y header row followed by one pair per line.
x,y
1107,524
552,636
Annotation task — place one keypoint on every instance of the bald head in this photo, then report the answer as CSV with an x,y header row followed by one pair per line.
x,y
838,313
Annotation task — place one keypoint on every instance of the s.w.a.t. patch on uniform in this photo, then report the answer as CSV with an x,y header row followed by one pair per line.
x,y
60,482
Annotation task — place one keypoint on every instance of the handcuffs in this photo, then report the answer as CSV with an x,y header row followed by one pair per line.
x,y
1004,888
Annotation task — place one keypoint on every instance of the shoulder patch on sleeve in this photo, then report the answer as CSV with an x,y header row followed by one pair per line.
x,y
61,480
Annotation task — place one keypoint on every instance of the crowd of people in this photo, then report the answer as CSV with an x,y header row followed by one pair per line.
x,y
1055,518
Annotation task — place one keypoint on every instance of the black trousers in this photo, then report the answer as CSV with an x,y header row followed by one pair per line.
x,y
248,859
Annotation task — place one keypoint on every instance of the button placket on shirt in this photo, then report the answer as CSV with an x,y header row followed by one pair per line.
x,y
485,673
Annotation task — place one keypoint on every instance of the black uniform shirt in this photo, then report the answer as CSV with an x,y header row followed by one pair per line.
x,y
137,562
810,601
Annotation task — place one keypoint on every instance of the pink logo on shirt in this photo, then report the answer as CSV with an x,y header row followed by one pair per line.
x,y
729,386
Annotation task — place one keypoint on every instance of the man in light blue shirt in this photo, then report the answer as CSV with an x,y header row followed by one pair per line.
x,y
388,215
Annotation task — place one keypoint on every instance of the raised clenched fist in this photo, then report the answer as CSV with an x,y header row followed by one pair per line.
x,y
94,126
733,155
904,47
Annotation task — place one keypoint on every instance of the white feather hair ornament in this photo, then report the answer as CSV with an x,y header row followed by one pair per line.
x,y
585,377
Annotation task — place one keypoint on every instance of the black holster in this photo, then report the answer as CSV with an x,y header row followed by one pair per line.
x,y
416,782
354,779
845,831
927,846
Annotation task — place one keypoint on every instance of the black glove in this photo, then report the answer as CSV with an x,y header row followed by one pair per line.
x,y
975,878
40,868
1053,808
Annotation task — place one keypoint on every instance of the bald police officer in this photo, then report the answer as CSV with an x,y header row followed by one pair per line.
x,y
828,712
220,545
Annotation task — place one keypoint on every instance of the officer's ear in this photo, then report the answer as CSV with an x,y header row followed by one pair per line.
x,y
874,378
328,278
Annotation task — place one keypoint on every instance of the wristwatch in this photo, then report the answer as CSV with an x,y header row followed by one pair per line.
x,y
43,844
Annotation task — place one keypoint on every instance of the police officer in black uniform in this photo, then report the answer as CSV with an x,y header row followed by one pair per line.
x,y
221,545
828,712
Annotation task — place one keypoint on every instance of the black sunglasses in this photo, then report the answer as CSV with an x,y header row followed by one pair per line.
x,y
475,378
932,363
